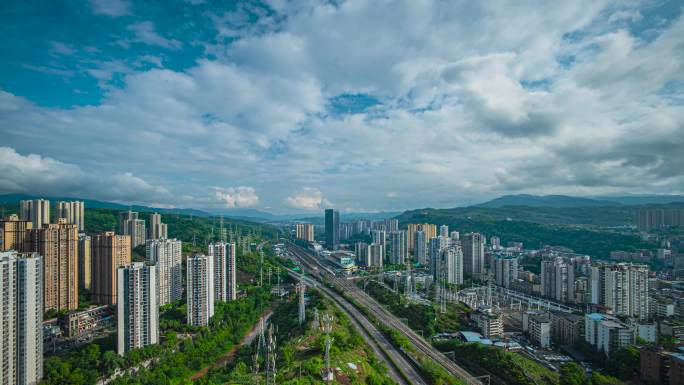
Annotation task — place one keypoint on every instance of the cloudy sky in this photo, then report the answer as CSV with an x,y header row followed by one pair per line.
x,y
289,106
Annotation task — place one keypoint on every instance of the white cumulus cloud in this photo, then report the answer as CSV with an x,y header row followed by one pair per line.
x,y
234,197
308,198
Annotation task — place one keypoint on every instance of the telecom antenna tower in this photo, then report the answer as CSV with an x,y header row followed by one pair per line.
x,y
327,328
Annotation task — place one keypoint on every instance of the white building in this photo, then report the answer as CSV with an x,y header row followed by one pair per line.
x,y
444,231
489,322
452,260
225,276
539,327
73,212
606,333
622,287
137,307
166,254
36,211
21,328
200,289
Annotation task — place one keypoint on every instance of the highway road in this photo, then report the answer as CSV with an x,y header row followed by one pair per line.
x,y
377,341
384,316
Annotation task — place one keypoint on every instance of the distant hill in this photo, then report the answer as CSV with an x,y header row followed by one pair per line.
x,y
545,201
562,201
644,199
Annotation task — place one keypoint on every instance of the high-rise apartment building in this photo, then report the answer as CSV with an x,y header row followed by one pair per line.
x,y
622,287
362,253
129,224
73,212
166,254
376,254
137,311
505,270
225,276
444,231
157,229
200,289
379,237
435,248
473,255
109,252
420,247
21,328
452,262
37,211
398,248
606,333
656,218
495,243
558,280
332,229
428,229
13,232
391,225
305,231
85,263
58,245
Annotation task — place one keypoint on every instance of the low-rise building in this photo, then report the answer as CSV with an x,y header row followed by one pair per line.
x,y
677,369
566,328
607,333
76,323
672,328
654,365
489,322
540,330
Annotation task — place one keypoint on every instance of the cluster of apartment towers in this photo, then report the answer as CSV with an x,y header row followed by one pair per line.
x,y
43,265
448,254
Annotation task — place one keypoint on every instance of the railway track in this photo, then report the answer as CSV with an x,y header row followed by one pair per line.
x,y
383,315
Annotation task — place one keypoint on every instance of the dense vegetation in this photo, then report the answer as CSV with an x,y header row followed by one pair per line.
x,y
511,368
174,360
301,348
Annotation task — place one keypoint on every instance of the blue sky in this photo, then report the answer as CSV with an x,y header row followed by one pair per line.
x,y
292,106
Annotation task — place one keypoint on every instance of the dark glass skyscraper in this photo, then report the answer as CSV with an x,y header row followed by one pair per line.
x,y
332,229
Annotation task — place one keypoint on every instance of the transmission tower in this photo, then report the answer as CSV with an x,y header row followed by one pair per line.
x,y
327,328
302,308
316,321
271,356
261,344
261,268
255,367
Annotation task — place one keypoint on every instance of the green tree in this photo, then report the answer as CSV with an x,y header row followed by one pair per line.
x,y
623,363
110,362
571,374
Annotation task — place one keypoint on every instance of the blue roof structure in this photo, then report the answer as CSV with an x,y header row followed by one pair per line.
x,y
471,336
